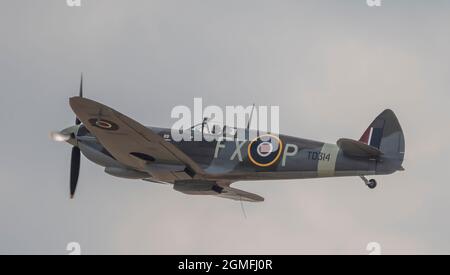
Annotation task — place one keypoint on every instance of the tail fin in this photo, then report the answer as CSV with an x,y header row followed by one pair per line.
x,y
386,134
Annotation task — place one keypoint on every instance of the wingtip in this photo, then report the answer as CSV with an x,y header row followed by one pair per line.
x,y
74,100
77,100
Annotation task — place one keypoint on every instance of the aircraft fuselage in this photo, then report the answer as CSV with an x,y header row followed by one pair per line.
x,y
233,159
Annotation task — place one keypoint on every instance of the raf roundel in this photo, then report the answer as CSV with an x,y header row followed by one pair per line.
x,y
265,150
104,124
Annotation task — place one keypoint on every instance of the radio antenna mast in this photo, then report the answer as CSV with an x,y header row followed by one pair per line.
x,y
251,116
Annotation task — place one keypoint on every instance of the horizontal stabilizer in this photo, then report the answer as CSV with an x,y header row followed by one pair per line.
x,y
354,148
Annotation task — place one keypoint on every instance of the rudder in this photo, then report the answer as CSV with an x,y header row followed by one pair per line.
x,y
386,134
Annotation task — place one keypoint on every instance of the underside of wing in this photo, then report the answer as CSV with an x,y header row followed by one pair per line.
x,y
223,190
239,195
131,143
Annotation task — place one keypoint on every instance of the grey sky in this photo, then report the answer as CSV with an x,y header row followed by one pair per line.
x,y
331,66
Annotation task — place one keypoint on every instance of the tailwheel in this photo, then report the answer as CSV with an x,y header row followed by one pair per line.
x,y
372,184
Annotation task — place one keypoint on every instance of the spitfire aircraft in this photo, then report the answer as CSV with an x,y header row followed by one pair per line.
x,y
127,149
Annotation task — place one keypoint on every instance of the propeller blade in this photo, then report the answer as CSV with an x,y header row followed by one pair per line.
x,y
77,121
74,170
81,86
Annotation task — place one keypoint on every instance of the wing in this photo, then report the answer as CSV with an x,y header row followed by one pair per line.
x,y
219,189
131,143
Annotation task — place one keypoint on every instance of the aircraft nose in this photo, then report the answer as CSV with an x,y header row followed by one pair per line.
x,y
66,135
59,136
